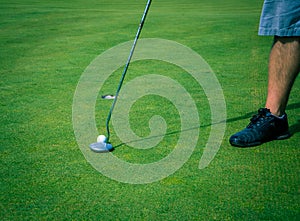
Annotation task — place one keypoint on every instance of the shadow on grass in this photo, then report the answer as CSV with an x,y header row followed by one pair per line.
x,y
250,114
163,135
293,129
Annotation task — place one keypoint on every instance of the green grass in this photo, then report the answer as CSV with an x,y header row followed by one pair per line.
x,y
44,49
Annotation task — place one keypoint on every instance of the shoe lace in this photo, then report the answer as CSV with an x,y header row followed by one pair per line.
x,y
259,118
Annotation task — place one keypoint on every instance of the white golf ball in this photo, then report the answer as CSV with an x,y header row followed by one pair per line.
x,y
101,139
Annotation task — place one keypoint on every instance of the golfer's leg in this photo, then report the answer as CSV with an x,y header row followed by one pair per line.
x,y
284,66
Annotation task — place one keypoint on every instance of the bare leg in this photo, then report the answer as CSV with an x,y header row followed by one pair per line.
x,y
284,66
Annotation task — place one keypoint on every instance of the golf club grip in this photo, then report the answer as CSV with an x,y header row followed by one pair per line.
x,y
126,66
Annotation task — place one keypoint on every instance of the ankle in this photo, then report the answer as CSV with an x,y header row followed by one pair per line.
x,y
276,111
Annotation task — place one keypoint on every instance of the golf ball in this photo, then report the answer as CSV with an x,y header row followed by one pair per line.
x,y
101,139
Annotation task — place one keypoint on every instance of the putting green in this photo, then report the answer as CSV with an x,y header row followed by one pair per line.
x,y
45,49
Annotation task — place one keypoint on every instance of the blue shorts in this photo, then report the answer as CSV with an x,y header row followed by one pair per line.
x,y
281,18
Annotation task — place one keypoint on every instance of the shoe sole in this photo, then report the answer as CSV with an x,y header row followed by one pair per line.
x,y
253,144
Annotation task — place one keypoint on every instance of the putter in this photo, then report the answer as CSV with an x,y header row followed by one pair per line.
x,y
104,145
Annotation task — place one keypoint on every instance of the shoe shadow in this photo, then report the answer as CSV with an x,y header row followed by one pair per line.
x,y
295,128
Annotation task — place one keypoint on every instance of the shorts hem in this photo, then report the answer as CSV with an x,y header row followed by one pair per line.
x,y
280,33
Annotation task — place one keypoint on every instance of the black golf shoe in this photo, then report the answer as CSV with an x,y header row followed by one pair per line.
x,y
263,127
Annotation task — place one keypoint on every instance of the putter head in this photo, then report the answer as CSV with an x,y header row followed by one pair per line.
x,y
101,147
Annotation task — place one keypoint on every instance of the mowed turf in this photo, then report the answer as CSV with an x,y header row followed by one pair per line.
x,y
44,49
